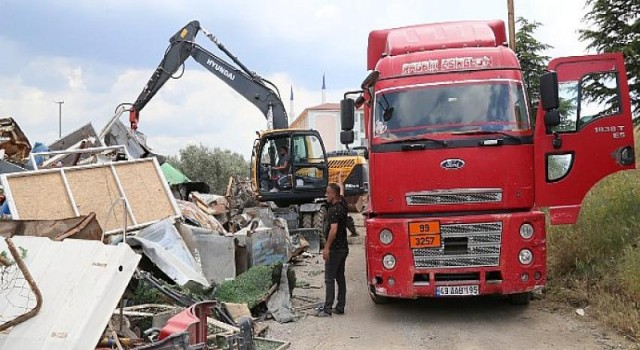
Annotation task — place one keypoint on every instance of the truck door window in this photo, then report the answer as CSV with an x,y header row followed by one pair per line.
x,y
558,166
595,96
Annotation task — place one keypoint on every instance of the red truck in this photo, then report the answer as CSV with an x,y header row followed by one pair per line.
x,y
459,168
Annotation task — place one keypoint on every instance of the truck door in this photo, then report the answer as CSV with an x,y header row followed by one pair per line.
x,y
594,138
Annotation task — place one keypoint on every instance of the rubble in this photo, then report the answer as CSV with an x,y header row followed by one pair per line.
x,y
101,228
81,227
13,142
161,243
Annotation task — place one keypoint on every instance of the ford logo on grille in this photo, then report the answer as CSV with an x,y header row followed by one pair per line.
x,y
452,164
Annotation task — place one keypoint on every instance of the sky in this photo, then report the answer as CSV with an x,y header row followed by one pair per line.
x,y
94,55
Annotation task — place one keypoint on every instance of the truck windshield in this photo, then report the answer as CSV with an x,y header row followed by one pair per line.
x,y
458,108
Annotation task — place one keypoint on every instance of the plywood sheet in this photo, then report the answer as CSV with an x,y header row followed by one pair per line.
x,y
145,190
43,197
96,190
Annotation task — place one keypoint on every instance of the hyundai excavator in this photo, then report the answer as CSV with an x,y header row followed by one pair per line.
x,y
299,177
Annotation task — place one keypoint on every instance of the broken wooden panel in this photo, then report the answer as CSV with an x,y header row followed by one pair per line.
x,y
83,227
101,188
13,141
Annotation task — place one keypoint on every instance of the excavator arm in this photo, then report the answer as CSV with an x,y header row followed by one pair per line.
x,y
247,83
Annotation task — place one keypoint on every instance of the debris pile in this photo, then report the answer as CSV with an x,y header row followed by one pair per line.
x,y
103,246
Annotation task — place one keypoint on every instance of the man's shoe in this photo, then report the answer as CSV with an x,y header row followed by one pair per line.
x,y
339,311
323,313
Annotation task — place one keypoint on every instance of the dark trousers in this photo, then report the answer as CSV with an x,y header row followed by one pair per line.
x,y
334,272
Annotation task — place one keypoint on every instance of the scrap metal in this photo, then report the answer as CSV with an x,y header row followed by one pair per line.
x,y
13,141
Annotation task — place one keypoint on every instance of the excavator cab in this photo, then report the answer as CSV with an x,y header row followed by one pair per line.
x,y
296,174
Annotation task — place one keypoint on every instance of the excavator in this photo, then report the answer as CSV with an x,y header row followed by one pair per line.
x,y
299,176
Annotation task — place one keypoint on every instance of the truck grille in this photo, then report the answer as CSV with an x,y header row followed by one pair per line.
x,y
454,196
475,245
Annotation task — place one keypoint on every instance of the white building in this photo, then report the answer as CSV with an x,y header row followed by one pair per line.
x,y
326,119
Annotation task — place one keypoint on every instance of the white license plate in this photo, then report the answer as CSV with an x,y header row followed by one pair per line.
x,y
444,291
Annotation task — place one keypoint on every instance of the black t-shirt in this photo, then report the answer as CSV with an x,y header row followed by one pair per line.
x,y
338,215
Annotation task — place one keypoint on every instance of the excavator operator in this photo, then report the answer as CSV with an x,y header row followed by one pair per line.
x,y
280,176
283,161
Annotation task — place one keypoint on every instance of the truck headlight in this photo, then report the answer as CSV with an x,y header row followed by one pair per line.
x,y
525,257
389,261
386,237
526,231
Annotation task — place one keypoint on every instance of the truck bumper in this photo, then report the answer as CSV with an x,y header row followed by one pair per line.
x,y
477,255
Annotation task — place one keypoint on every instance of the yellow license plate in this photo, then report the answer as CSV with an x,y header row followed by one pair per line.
x,y
425,241
424,228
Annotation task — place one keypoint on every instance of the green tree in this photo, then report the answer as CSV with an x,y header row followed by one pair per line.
x,y
213,166
532,61
614,26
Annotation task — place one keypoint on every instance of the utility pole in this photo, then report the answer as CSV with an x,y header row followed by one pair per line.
x,y
512,26
59,118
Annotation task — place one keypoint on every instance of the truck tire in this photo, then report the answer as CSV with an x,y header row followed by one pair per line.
x,y
378,299
520,298
307,220
320,221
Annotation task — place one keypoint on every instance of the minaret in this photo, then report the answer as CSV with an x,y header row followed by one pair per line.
x,y
324,90
292,115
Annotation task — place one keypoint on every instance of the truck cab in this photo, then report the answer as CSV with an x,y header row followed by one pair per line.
x,y
459,170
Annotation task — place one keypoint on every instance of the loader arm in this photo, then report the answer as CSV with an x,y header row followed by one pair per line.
x,y
247,83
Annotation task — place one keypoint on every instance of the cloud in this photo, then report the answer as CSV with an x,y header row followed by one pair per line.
x,y
95,56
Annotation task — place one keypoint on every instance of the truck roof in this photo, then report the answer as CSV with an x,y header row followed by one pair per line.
x,y
434,36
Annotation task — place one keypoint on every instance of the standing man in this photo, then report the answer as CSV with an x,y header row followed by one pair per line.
x,y
335,251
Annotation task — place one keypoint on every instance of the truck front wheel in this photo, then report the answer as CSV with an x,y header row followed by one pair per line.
x,y
520,298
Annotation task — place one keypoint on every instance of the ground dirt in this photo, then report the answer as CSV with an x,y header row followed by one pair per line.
x,y
470,323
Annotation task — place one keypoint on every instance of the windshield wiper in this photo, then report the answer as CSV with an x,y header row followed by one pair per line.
x,y
418,142
487,132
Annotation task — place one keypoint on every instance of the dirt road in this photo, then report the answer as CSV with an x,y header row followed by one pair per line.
x,y
480,323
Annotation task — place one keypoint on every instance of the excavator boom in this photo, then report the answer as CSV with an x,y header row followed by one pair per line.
x,y
248,84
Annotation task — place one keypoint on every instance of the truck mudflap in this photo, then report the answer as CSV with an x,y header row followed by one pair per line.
x,y
463,256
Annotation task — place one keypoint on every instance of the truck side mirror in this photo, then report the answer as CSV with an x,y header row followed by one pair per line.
x,y
347,111
549,91
552,118
346,137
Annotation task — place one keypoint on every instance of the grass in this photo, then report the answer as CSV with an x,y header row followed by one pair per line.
x,y
596,262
